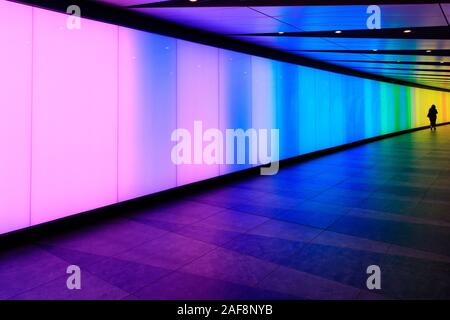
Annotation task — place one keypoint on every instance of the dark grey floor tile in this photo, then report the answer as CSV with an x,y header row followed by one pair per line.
x,y
307,286
209,235
286,230
92,288
25,268
230,266
265,248
232,220
107,239
421,237
344,265
126,275
170,251
185,286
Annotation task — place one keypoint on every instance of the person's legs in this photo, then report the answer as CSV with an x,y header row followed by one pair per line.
x,y
433,123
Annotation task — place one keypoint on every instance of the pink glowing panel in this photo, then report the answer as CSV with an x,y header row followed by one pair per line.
x,y
15,113
147,113
197,100
74,145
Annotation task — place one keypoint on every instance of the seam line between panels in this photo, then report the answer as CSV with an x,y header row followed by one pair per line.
x,y
117,111
31,117
176,104
219,169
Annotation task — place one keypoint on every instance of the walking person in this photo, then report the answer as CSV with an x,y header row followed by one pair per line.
x,y
432,115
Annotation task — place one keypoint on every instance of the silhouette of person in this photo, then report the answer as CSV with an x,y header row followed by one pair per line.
x,y
432,115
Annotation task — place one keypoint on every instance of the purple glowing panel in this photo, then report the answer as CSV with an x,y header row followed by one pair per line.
x,y
15,113
264,97
147,112
74,147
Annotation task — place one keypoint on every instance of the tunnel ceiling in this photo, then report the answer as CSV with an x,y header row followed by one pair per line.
x,y
412,44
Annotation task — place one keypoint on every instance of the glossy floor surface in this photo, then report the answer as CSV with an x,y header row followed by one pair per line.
x,y
309,232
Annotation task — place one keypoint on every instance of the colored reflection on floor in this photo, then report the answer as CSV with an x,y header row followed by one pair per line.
x,y
309,232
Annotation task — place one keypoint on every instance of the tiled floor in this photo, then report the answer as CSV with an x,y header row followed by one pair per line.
x,y
309,232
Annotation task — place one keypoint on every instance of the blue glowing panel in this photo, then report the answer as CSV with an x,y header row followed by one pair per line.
x,y
288,108
323,18
337,114
323,100
307,110
235,103
147,112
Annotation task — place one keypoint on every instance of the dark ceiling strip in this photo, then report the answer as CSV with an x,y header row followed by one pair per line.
x,y
433,79
424,78
425,63
127,18
438,80
421,78
428,80
411,69
439,32
440,77
269,3
432,53
437,76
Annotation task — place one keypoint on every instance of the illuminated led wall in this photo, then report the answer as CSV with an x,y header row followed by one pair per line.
x,y
86,116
